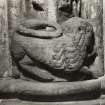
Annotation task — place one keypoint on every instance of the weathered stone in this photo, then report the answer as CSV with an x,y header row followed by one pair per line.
x,y
32,65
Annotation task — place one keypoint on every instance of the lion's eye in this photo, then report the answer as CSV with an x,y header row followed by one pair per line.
x,y
79,29
37,7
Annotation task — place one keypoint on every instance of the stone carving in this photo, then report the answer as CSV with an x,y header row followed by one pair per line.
x,y
49,52
55,54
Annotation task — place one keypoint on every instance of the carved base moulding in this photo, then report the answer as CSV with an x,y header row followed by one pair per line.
x,y
18,102
54,93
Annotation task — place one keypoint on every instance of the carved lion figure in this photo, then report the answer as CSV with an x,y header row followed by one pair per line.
x,y
47,50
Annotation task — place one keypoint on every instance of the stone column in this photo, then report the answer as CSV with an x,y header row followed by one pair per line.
x,y
16,9
5,62
14,13
104,30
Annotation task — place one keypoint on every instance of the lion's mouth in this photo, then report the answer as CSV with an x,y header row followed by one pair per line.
x,y
40,29
44,27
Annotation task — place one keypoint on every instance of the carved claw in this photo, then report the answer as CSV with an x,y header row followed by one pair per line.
x,y
85,70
